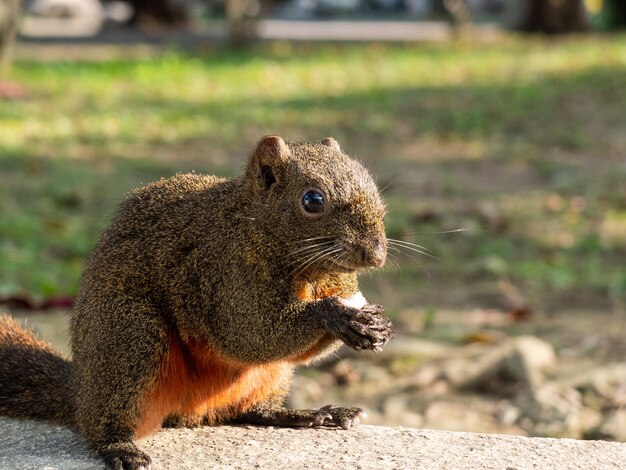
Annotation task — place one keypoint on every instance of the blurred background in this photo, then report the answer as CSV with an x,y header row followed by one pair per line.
x,y
495,128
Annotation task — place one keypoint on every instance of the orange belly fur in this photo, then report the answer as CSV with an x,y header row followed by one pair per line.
x,y
196,381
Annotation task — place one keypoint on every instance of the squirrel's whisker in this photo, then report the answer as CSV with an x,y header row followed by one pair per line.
x,y
325,254
327,237
303,260
336,255
306,254
335,259
395,240
321,256
341,258
443,232
305,248
310,260
399,250
396,249
392,181
409,246
392,263
329,254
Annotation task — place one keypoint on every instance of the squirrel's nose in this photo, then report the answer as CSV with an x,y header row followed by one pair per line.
x,y
376,253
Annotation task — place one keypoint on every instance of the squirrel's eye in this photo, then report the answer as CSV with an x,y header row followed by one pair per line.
x,y
313,202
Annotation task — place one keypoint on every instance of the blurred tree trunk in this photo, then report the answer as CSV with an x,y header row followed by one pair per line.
x,y
162,12
549,16
243,21
615,13
459,11
9,14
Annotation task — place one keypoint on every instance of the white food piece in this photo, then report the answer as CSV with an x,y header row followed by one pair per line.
x,y
355,301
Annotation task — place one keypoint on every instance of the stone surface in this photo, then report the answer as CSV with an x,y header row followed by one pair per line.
x,y
27,445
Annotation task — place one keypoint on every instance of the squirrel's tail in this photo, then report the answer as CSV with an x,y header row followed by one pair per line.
x,y
34,378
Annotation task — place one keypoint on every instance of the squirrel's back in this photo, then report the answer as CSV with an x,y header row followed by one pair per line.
x,y
150,239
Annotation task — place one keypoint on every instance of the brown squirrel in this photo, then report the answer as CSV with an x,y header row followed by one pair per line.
x,y
201,298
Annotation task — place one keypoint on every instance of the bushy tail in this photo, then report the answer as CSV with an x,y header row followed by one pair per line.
x,y
34,378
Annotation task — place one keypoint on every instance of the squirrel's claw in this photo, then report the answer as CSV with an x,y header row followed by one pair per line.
x,y
373,309
362,328
345,418
320,418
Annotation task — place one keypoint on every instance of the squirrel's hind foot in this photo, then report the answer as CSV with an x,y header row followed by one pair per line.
x,y
326,416
125,456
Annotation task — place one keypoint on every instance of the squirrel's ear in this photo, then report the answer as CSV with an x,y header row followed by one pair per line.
x,y
269,154
332,143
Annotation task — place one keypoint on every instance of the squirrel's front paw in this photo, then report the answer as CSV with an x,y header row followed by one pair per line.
x,y
345,418
362,328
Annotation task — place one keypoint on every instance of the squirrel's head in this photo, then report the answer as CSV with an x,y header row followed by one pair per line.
x,y
321,206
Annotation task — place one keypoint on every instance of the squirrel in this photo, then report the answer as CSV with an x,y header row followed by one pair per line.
x,y
202,297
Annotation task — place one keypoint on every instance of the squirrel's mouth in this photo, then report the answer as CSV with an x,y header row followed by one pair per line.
x,y
345,266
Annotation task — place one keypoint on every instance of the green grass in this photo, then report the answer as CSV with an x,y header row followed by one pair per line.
x,y
521,142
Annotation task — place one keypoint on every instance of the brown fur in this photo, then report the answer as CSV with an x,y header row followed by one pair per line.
x,y
194,309
30,367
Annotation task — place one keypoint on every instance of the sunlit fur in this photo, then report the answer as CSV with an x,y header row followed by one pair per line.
x,y
203,295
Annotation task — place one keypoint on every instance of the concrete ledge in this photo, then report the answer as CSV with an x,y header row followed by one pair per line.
x,y
27,445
